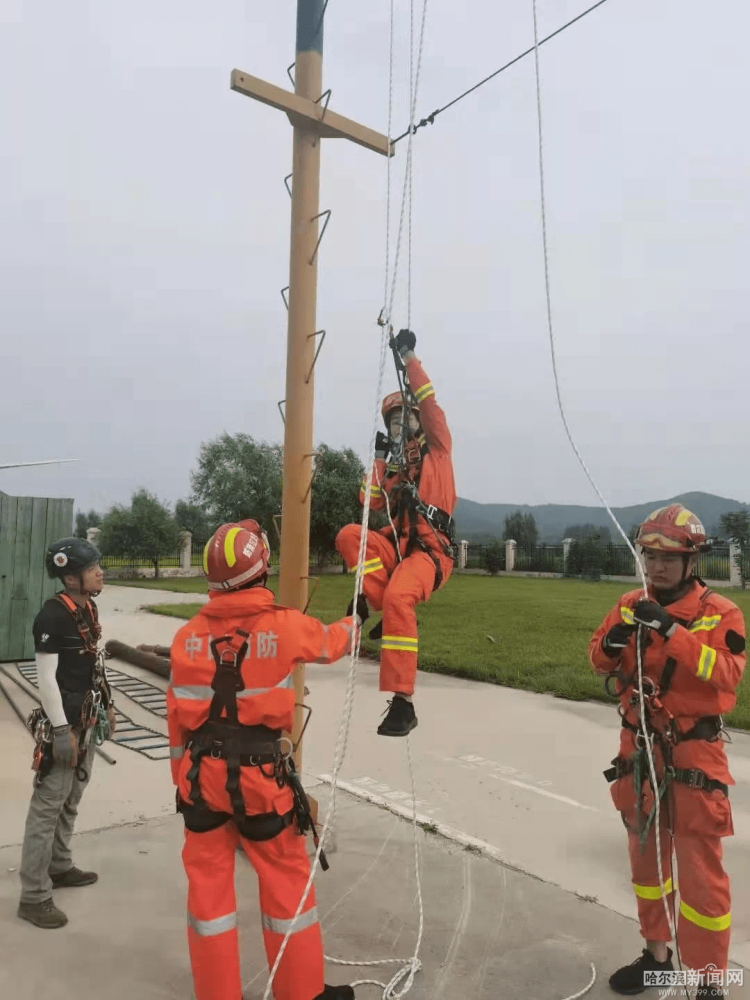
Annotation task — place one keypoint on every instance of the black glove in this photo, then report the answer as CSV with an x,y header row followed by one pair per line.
x,y
654,616
382,445
362,610
617,639
405,341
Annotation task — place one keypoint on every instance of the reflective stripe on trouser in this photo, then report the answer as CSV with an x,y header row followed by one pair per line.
x,y
49,827
380,560
411,582
212,913
283,869
703,920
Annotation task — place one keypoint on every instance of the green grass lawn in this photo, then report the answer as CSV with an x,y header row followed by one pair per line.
x,y
540,628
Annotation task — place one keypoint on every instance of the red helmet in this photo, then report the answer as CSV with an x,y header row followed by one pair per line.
x,y
672,529
395,402
235,554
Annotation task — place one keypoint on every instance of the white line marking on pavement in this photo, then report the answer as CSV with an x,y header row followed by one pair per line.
x,y
491,767
549,795
449,832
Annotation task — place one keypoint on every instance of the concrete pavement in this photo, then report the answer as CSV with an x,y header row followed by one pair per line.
x,y
517,776
489,932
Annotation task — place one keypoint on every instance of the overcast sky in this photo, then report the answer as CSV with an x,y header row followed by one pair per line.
x,y
145,237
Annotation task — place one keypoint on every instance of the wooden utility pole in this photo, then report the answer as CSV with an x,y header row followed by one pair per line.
x,y
308,112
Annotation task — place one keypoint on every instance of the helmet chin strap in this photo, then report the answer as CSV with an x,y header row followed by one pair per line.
x,y
675,593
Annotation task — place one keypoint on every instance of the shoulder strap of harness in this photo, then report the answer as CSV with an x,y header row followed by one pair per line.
x,y
227,679
76,613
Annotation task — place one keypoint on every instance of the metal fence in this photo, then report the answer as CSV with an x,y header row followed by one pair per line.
x,y
609,560
137,562
540,559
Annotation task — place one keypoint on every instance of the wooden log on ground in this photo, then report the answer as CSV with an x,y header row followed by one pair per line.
x,y
158,665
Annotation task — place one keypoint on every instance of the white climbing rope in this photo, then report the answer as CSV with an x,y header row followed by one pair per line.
x,y
409,967
639,564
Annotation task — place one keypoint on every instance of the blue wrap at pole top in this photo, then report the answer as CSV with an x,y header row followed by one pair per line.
x,y
310,25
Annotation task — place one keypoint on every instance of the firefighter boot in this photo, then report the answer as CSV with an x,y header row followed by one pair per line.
x,y
400,720
45,915
630,979
336,993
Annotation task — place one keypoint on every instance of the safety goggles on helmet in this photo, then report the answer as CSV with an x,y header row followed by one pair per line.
x,y
672,529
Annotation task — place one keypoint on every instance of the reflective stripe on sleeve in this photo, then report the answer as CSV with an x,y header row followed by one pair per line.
x,y
706,662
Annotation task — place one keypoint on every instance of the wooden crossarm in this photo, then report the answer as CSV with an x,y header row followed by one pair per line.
x,y
304,113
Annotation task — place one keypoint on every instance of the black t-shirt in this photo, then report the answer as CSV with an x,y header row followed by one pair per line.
x,y
55,631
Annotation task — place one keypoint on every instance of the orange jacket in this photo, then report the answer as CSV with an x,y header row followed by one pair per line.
x,y
436,481
706,674
279,639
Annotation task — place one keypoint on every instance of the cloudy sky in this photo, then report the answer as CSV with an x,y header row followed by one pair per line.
x,y
145,239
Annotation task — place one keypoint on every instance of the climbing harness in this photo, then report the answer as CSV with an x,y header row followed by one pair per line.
x,y
93,724
224,737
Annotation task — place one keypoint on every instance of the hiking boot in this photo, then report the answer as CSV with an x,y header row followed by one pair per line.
x,y
73,878
336,993
400,720
45,915
629,980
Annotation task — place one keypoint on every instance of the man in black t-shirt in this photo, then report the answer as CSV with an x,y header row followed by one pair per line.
x,y
66,636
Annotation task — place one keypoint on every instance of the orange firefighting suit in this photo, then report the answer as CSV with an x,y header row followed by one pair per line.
x,y
705,657
393,586
279,638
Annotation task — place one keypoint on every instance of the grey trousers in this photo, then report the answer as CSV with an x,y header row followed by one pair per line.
x,y
49,827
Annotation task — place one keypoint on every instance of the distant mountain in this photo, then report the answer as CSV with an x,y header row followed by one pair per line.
x,y
483,521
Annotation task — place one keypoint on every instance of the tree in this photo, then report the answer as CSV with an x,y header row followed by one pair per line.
x,y
580,531
736,526
85,521
522,528
335,499
194,518
145,530
586,558
237,478
492,557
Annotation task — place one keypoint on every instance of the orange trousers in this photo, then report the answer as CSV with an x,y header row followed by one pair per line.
x,y
395,588
283,868
704,918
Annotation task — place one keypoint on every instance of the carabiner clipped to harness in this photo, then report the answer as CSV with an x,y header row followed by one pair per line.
x,y
302,812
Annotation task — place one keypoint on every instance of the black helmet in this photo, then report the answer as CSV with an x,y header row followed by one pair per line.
x,y
71,555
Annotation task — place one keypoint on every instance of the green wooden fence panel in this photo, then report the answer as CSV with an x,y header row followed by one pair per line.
x,y
8,508
27,527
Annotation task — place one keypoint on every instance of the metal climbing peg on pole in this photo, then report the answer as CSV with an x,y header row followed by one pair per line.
x,y
313,120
